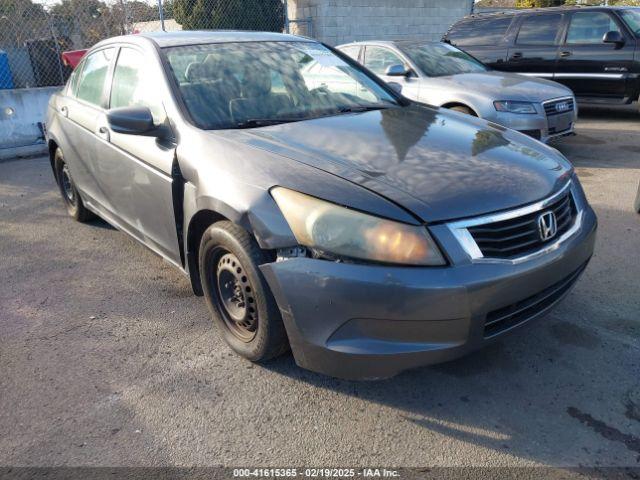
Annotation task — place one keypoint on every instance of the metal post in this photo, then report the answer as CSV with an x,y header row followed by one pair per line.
x,y
161,15
286,15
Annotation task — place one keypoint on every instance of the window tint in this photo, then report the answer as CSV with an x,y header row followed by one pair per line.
x,y
485,31
93,75
352,51
590,27
73,81
539,30
131,85
632,17
440,59
378,59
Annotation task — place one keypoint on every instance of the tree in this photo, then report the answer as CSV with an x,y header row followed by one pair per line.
x,y
265,15
21,20
538,3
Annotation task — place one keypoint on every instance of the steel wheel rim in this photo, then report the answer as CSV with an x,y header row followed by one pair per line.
x,y
67,185
235,297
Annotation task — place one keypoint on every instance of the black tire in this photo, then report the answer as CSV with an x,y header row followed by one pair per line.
x,y
70,195
463,109
238,296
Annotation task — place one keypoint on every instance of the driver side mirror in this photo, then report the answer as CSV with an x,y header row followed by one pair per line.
x,y
397,71
133,121
614,37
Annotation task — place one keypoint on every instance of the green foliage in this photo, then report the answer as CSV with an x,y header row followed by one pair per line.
x,y
267,15
538,3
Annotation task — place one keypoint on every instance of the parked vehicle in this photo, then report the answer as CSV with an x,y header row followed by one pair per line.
x,y
368,233
441,75
592,50
636,204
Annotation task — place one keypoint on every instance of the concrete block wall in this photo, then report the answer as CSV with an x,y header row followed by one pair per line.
x,y
342,21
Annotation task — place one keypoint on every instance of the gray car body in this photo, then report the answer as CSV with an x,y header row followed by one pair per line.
x,y
478,91
416,164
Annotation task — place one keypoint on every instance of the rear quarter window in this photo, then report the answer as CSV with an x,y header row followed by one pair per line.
x,y
479,31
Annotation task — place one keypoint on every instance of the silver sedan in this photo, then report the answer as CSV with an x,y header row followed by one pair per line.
x,y
442,75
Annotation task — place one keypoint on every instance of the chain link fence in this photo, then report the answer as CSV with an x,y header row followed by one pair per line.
x,y
35,33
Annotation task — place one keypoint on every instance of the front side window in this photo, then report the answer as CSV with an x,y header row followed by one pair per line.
x,y
94,73
590,27
131,85
378,59
539,30
632,19
440,59
353,51
250,84
480,32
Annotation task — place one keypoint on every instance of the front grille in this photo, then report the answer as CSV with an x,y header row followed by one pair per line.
x,y
550,108
508,317
519,236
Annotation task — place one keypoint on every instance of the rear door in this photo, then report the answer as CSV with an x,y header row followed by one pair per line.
x,y
484,38
80,108
536,45
135,171
378,59
587,65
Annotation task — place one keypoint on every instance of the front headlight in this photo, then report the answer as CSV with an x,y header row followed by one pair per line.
x,y
512,106
330,228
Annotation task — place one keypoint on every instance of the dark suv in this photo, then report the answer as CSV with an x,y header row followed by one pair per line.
x,y
595,51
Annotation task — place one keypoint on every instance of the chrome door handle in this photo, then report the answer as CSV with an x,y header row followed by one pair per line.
x,y
517,55
565,54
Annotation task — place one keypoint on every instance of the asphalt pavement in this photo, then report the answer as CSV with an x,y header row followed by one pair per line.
x,y
106,357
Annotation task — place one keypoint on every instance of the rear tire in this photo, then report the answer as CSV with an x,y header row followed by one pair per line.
x,y
70,195
238,296
463,109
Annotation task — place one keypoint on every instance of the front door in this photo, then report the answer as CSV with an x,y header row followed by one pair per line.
x,y
535,50
135,171
587,65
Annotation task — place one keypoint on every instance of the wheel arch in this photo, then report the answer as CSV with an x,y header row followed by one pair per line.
x,y
461,104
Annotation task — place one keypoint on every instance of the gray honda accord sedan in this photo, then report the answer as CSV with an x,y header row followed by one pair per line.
x,y
312,206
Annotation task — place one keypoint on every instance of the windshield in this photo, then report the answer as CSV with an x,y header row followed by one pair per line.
x,y
632,18
441,59
253,84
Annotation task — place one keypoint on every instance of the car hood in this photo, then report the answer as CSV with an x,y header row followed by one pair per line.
x,y
438,164
504,86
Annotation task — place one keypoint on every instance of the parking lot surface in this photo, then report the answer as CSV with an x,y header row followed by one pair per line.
x,y
106,357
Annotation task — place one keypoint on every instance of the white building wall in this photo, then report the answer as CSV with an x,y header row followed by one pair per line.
x,y
342,21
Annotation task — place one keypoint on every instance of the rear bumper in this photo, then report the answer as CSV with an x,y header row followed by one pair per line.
x,y
365,321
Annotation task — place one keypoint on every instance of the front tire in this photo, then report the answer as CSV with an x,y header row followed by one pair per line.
x,y
70,195
240,301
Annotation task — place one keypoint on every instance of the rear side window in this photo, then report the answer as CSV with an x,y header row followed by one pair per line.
x,y
590,27
93,76
482,31
539,30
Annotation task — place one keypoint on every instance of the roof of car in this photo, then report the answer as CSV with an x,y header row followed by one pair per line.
x,y
201,37
390,43
563,8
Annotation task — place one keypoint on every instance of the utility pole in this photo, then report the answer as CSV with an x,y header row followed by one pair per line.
x,y
161,15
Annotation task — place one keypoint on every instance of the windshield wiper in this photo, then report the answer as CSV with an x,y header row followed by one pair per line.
x,y
265,122
362,108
